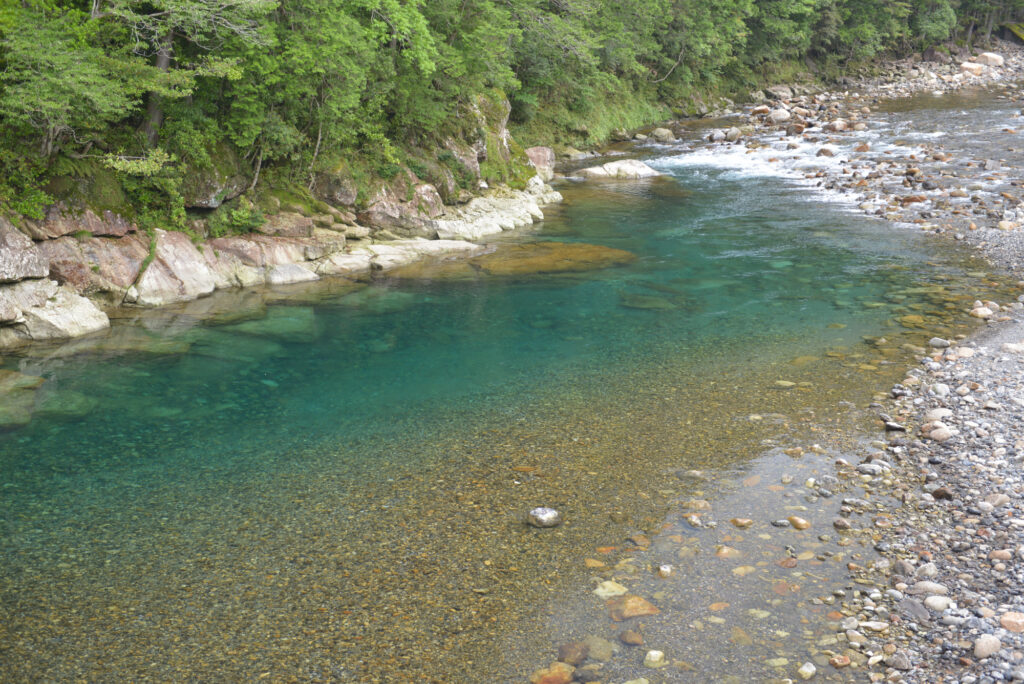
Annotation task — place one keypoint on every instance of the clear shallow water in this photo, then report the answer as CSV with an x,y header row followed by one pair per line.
x,y
331,487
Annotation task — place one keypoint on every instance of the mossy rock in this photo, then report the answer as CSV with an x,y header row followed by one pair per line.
x,y
90,185
274,198
224,180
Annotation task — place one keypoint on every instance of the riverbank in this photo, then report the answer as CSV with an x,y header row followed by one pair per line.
x,y
65,281
937,491
942,501
954,545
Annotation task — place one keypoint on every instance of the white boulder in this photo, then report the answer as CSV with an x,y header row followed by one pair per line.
x,y
623,169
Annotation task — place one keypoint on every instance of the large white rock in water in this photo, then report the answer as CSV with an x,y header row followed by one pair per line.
x,y
496,212
66,314
972,68
625,169
344,264
778,116
285,274
663,135
990,59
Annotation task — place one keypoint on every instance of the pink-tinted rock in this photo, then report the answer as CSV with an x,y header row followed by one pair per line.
x,y
178,273
543,159
556,673
427,200
19,258
466,155
1013,622
93,265
63,220
246,250
279,250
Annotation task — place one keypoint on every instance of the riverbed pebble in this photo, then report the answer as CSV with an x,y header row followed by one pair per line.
x,y
543,517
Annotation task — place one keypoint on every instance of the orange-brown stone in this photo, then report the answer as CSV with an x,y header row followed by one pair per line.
x,y
630,606
1012,622
556,673
521,260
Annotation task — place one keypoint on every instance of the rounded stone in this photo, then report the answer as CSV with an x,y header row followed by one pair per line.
x,y
798,522
542,516
655,659
807,670
1013,622
986,645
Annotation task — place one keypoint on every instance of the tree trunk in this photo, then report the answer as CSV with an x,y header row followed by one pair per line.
x,y
154,105
989,21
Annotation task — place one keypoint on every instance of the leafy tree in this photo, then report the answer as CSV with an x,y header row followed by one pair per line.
x,y
933,21
67,91
153,26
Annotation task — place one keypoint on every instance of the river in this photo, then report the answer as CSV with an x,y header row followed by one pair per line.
x,y
329,483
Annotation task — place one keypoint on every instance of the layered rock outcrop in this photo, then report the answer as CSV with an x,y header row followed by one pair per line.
x,y
44,284
33,307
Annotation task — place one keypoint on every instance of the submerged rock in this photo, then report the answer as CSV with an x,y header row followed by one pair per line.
x,y
284,323
648,302
542,516
655,659
521,260
17,397
630,606
556,673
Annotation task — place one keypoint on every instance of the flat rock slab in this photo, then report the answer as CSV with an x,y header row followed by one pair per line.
x,y
521,260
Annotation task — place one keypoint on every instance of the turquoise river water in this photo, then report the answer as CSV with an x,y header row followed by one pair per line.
x,y
328,483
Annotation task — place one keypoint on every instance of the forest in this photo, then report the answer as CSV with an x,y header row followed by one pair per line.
x,y
152,90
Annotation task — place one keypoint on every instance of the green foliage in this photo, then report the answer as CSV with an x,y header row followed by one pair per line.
x,y
417,167
235,218
65,91
150,164
158,89
388,170
21,183
933,20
